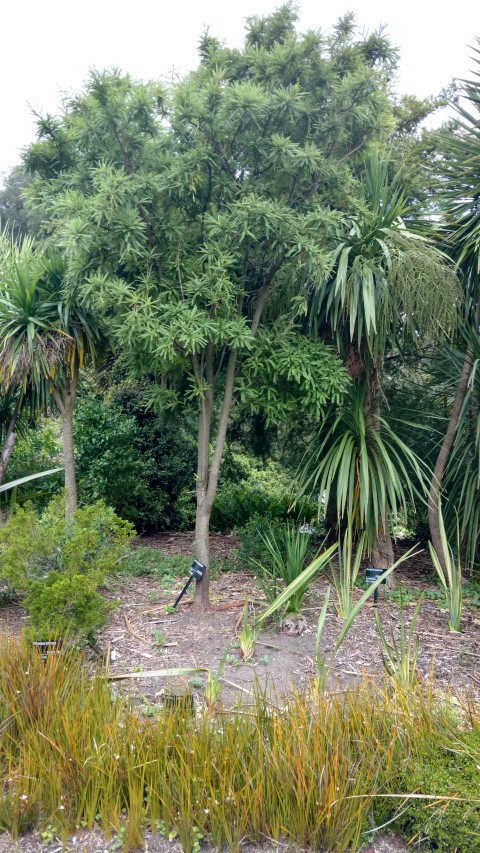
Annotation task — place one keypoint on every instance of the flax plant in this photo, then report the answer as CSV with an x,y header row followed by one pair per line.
x,y
213,687
400,657
247,637
450,573
324,666
287,550
348,567
292,589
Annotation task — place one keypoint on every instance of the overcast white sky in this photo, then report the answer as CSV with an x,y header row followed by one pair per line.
x,y
47,47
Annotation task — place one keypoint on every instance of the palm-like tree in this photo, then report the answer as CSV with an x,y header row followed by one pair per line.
x,y
461,226
45,338
387,283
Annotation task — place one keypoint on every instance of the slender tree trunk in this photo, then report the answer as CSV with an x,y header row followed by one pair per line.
x,y
66,408
71,503
382,548
443,456
9,442
208,472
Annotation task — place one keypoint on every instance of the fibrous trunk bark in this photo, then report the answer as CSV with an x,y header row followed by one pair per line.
x,y
9,443
71,502
443,456
66,407
382,547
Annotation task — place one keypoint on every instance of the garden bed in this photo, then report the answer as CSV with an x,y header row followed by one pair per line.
x,y
142,636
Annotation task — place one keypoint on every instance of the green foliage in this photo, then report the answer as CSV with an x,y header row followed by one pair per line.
x,y
296,585
35,450
252,494
323,665
284,372
386,282
60,564
345,577
145,560
247,637
400,657
449,571
67,604
137,460
367,473
287,548
110,464
448,768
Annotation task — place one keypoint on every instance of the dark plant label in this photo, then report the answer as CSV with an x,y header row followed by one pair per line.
x,y
371,574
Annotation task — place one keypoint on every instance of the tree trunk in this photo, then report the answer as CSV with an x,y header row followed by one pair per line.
x,y
66,407
443,456
9,442
382,547
71,503
202,552
208,472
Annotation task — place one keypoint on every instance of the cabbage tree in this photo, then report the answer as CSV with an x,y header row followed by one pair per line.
x,y
387,284
44,339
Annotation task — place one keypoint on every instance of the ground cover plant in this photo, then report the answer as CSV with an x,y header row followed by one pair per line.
x,y
311,771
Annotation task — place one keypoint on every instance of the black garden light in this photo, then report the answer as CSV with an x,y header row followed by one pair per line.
x,y
371,575
195,572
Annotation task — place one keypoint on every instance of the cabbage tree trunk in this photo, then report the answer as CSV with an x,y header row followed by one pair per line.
x,y
65,403
382,556
443,456
9,443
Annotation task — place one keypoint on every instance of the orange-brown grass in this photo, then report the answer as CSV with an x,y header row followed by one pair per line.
x,y
71,755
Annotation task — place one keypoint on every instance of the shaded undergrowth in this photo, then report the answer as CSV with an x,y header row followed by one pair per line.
x,y
312,771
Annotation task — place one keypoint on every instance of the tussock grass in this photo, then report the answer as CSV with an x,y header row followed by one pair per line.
x,y
72,755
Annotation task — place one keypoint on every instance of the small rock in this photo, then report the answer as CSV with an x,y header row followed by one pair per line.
x,y
295,625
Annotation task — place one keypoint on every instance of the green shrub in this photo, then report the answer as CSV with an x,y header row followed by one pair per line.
x,y
110,463
60,563
37,450
63,604
288,549
160,493
256,489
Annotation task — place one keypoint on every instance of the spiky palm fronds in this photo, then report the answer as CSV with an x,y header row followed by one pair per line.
x,y
368,473
385,279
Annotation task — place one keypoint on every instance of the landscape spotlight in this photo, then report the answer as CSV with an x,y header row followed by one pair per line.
x,y
195,572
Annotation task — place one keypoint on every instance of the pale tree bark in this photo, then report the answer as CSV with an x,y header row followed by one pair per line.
x,y
443,456
208,472
66,406
9,443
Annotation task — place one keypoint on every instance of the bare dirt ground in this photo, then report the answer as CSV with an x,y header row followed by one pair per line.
x,y
141,637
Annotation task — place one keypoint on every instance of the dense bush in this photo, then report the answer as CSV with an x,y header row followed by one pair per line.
x,y
139,462
37,450
251,489
110,463
60,563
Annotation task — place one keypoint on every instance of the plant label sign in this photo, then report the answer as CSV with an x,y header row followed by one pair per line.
x,y
372,574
